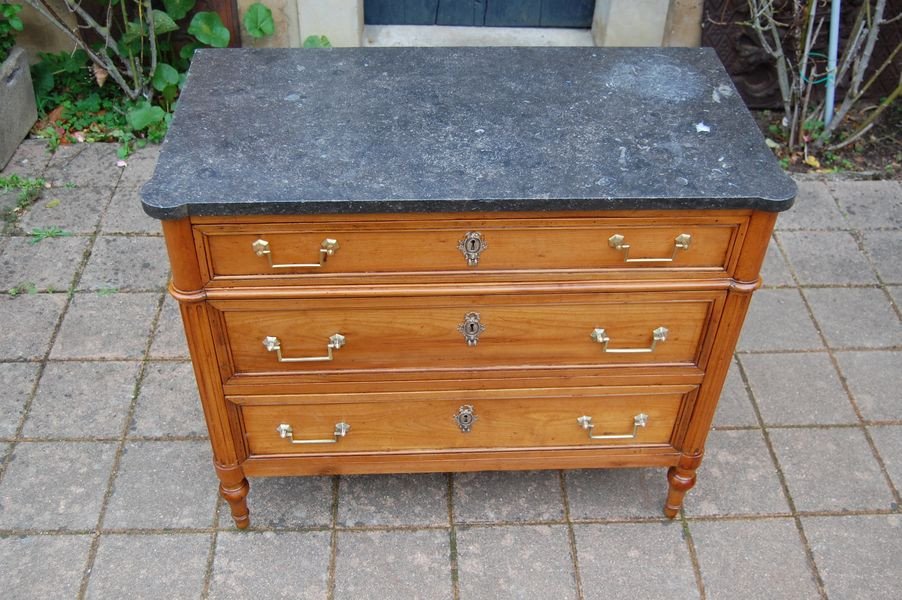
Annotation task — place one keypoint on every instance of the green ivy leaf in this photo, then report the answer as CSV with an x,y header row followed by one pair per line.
x,y
42,79
163,23
317,41
164,76
207,27
187,51
258,21
144,115
134,30
177,9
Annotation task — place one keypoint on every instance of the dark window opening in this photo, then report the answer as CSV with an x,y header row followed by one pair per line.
x,y
481,13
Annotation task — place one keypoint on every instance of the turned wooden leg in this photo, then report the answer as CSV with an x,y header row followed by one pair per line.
x,y
680,480
233,488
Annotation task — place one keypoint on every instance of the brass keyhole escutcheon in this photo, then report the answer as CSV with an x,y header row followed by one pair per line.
x,y
471,328
471,246
465,418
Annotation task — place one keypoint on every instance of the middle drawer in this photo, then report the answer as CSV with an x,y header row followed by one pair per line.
x,y
423,335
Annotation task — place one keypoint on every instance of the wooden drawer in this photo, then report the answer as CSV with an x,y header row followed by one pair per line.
x,y
423,335
637,417
367,250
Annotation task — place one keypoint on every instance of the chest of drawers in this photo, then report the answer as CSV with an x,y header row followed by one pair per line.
x,y
462,259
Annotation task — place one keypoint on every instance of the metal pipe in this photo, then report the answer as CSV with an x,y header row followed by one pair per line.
x,y
832,51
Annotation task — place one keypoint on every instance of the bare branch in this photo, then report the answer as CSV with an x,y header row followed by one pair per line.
x,y
101,59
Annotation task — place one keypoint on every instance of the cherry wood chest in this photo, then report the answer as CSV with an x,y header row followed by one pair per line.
x,y
414,260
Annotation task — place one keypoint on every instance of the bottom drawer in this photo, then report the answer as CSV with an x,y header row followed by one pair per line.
x,y
642,418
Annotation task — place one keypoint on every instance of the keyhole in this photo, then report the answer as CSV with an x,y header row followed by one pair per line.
x,y
472,328
466,419
473,245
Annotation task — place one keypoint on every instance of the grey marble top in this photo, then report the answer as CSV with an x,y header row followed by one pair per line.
x,y
359,130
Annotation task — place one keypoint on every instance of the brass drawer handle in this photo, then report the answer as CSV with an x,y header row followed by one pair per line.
x,y
599,335
273,344
326,249
640,420
341,430
617,241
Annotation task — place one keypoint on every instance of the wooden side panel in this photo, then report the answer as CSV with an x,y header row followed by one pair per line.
x,y
727,334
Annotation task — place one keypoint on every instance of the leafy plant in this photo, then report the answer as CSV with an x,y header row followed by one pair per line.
x,y
258,21
29,189
317,41
803,127
207,27
39,234
26,287
10,25
145,49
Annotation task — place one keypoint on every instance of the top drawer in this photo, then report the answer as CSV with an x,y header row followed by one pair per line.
x,y
283,252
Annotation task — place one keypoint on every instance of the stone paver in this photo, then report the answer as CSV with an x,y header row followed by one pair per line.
x,y
615,561
39,566
48,265
888,439
855,317
169,341
16,383
734,408
84,165
736,477
27,323
814,208
125,214
286,502
826,257
393,500
885,248
286,565
76,210
869,204
126,322
737,570
778,320
82,399
497,563
163,485
168,403
830,469
775,271
895,292
857,556
139,166
616,493
816,396
55,485
126,263
168,566
507,496
29,159
393,564
875,381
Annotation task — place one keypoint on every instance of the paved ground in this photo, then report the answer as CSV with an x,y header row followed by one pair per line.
x,y
798,498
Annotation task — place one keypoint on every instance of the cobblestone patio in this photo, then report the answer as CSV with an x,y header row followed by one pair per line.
x,y
797,498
